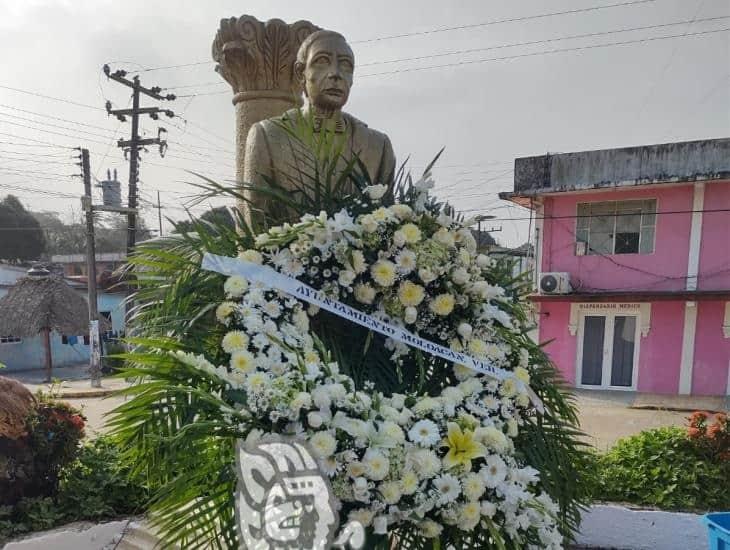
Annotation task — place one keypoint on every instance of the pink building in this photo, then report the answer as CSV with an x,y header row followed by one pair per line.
x,y
633,249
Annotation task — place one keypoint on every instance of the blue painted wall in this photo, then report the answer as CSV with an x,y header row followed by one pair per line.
x,y
30,353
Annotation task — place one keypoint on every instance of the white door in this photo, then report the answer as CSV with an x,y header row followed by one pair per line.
x,y
608,351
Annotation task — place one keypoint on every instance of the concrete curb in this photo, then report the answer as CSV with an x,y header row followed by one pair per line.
x,y
80,394
617,527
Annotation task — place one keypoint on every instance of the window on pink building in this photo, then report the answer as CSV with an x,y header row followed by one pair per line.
x,y
616,227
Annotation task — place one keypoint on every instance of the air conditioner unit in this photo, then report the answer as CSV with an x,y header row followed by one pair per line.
x,y
555,283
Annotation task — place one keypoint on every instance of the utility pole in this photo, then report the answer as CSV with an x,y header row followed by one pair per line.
x,y
94,336
159,213
135,143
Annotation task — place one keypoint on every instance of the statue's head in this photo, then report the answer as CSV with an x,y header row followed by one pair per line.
x,y
283,501
324,67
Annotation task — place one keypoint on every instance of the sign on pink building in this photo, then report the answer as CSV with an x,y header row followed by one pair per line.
x,y
633,255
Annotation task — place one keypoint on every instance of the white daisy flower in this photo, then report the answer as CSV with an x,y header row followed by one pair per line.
x,y
424,433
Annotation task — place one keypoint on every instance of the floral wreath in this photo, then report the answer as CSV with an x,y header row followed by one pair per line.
x,y
438,464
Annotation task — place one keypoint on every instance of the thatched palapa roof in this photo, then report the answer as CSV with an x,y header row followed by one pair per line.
x,y
37,303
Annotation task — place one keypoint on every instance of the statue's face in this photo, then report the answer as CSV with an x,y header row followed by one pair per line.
x,y
328,73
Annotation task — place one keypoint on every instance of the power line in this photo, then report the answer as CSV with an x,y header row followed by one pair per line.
x,y
52,125
535,42
19,90
545,52
68,136
44,143
54,117
571,217
500,21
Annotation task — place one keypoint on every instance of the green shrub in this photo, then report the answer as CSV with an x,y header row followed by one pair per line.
x,y
110,362
95,486
30,465
98,485
662,468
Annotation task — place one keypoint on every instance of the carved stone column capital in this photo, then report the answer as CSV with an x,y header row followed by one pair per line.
x,y
257,58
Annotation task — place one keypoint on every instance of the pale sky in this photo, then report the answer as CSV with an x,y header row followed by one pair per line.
x,y
485,113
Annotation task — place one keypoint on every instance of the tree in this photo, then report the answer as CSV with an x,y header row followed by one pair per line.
x,y
21,236
70,238
62,238
219,215
111,235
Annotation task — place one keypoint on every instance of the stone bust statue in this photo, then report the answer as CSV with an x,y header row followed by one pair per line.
x,y
324,67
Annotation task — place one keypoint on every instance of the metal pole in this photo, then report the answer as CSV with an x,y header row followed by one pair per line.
x,y
133,169
159,213
94,340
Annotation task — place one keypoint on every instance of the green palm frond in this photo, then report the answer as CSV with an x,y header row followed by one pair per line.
x,y
172,428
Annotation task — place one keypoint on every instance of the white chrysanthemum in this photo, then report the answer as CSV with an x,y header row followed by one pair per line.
x,y
235,286
424,462
494,471
492,438
235,340
424,433
243,361
224,311
473,486
377,464
323,444
364,293
426,405
445,237
522,374
315,419
346,277
401,211
464,330
477,348
460,276
447,488
302,400
442,305
488,509
508,388
256,382
375,192
512,428
426,275
411,232
357,263
391,434
406,260
410,315
390,491
251,256
356,469
409,482
383,272
368,223
410,294
469,516
429,529
462,372
272,308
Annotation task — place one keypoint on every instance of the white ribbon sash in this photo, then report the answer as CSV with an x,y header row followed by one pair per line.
x,y
273,279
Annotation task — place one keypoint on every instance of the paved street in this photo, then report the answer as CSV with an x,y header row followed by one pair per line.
x,y
606,416
606,421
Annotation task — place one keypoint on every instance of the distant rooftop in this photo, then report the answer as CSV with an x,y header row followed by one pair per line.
x,y
701,160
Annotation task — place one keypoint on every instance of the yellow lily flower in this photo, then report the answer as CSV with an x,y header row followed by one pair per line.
x,y
463,448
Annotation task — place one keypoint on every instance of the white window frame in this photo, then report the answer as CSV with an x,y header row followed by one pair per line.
x,y
8,340
609,326
587,251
